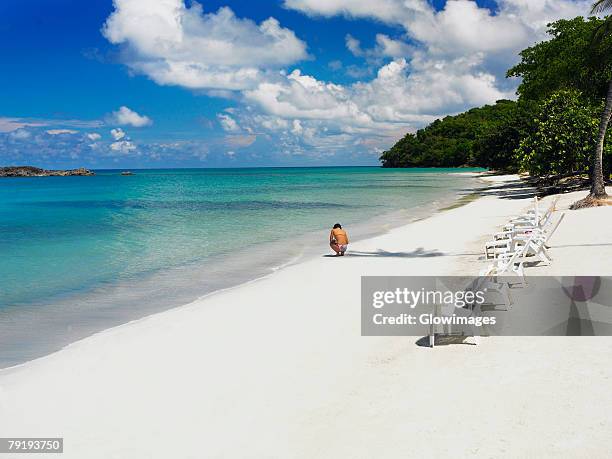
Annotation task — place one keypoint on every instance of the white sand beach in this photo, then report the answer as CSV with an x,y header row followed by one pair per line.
x,y
278,368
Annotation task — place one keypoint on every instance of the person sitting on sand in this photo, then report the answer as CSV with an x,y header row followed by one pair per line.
x,y
338,240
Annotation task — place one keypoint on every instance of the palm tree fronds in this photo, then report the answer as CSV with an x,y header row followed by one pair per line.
x,y
606,27
602,31
600,6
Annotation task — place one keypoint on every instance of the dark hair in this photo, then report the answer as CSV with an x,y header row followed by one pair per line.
x,y
337,225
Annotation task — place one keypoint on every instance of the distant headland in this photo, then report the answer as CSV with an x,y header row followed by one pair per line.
x,y
29,171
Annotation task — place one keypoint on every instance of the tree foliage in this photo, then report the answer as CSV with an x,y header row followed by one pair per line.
x,y
452,141
574,58
496,149
564,135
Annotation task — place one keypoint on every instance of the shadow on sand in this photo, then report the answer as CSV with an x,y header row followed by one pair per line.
x,y
417,253
443,340
515,189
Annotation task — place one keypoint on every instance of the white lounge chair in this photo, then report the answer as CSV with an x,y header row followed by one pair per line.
x,y
532,251
532,217
503,241
511,262
542,235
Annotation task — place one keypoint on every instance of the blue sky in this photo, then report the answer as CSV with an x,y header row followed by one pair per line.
x,y
181,84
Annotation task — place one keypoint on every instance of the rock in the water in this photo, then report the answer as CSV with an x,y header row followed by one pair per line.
x,y
29,171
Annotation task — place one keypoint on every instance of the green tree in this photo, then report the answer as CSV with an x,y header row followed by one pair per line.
x,y
402,154
451,141
570,59
564,135
496,149
598,188
578,56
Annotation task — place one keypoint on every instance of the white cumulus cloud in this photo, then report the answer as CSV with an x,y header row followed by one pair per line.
x,y
175,44
122,146
385,47
399,94
389,11
440,62
228,123
125,116
461,27
117,133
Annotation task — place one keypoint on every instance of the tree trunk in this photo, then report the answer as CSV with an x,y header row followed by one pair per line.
x,y
598,189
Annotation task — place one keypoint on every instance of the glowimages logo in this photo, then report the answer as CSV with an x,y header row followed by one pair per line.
x,y
487,306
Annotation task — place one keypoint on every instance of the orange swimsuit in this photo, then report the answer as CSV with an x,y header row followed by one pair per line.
x,y
340,236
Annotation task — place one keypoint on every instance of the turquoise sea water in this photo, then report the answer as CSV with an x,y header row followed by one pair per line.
x,y
81,249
